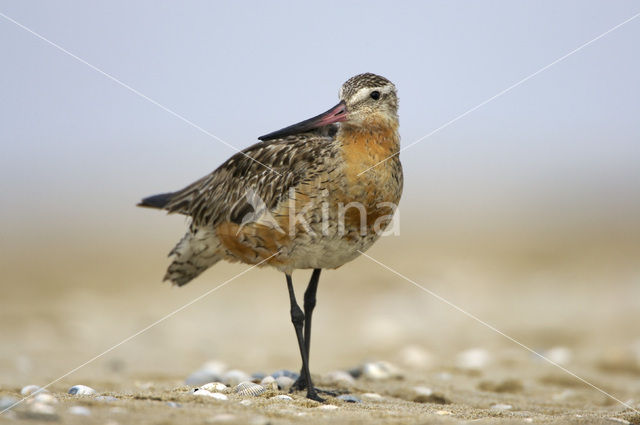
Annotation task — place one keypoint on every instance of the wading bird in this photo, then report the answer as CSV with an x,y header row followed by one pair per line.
x,y
297,200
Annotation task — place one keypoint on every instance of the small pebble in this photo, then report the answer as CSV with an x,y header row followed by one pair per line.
x,y
287,373
81,390
473,359
249,388
284,382
258,376
214,386
349,398
328,407
283,397
80,411
173,404
501,406
443,412
234,377
246,402
340,377
371,396
30,389
380,370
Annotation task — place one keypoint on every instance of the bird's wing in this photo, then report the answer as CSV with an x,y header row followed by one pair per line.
x,y
266,169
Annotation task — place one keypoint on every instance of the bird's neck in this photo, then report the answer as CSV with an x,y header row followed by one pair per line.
x,y
366,144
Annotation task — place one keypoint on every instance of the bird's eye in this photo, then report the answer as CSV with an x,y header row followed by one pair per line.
x,y
375,95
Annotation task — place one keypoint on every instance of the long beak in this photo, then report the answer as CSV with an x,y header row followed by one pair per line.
x,y
336,114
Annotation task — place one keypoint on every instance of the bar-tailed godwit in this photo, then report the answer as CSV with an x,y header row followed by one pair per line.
x,y
295,199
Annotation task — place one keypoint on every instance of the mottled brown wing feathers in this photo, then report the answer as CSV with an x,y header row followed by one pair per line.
x,y
224,195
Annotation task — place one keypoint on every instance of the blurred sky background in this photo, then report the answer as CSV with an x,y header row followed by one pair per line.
x,y
561,151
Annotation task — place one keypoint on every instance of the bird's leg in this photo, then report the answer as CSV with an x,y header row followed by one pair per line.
x,y
297,318
309,304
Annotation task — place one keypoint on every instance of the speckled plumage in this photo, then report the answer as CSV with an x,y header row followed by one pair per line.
x,y
313,173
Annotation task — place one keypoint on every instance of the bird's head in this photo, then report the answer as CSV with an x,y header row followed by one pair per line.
x,y
365,100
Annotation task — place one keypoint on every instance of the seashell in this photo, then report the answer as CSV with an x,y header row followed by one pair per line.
x,y
328,407
269,383
206,393
287,373
249,388
214,386
218,396
80,410
371,396
31,389
258,376
282,397
340,377
284,382
81,390
349,398
380,370
45,398
234,377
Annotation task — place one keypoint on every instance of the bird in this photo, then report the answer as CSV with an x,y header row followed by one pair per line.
x,y
303,197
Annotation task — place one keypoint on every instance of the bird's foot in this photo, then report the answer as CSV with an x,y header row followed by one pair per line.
x,y
301,386
312,394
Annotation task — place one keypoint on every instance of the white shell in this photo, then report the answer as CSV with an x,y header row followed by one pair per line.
x,y
269,382
371,396
380,370
328,407
45,398
249,388
214,386
282,397
284,382
81,390
30,389
206,393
